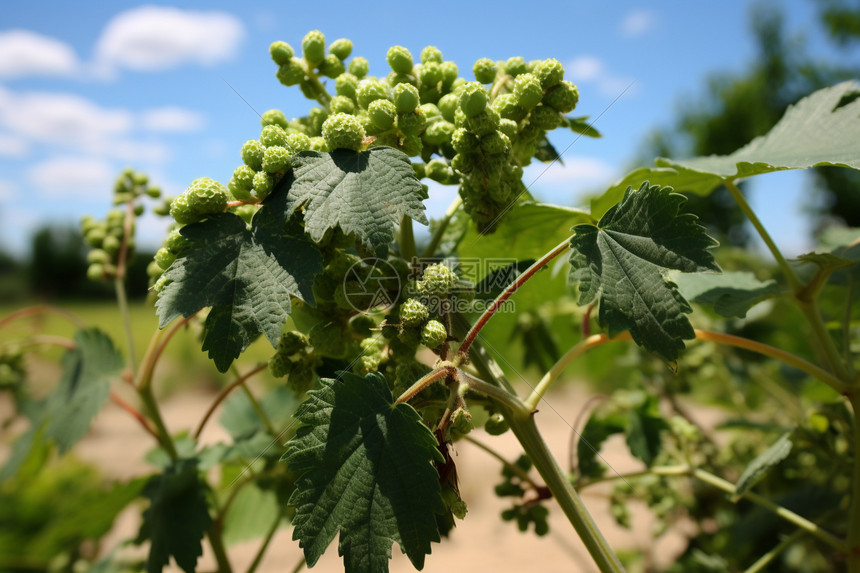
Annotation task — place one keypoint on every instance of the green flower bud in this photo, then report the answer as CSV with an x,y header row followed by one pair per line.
x,y
515,66
263,185
496,425
411,145
549,72
274,117
341,48
332,66
495,143
341,104
433,334
563,97
394,79
281,52
175,241
138,210
164,258
96,272
545,118
484,123
203,197
345,85
430,111
112,244
290,73
270,136
98,256
405,97
399,59
370,90
318,144
437,280
153,270
473,99
153,191
464,141
430,74
448,105
359,67
298,142
413,312
411,123
382,114
528,90
343,131
241,183
418,170
276,159
252,154
438,170
316,118
450,73
438,132
508,127
431,54
485,71
313,47
279,366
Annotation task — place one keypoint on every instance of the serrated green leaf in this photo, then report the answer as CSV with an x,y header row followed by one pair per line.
x,y
177,517
643,431
731,294
582,126
251,514
240,419
246,276
622,261
364,193
367,472
762,463
596,431
663,176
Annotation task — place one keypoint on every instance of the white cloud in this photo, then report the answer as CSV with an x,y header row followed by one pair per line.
x,y
589,69
7,190
172,119
636,23
584,68
13,146
25,53
575,170
65,175
154,38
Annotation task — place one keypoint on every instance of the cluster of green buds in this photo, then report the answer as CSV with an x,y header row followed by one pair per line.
x,y
296,359
524,512
106,236
12,370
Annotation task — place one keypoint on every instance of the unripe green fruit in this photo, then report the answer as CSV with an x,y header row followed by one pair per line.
x,y
515,66
430,74
241,183
359,67
545,118
484,123
274,117
405,97
332,66
496,425
96,272
162,210
413,312
345,85
433,334
450,73
164,258
370,90
563,97
439,132
495,143
98,256
270,136
431,54
111,244
430,111
316,118
140,179
153,191
290,73
318,144
203,197
411,122
418,169
550,72
473,99
341,48
153,270
281,52
448,105
485,70
263,184
313,47
394,79
298,142
175,241
341,104
438,170
343,131
464,141
399,59
252,154
276,159
382,114
411,145
437,280
138,210
528,90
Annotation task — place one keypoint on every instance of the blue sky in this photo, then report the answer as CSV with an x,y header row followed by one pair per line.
x,y
89,87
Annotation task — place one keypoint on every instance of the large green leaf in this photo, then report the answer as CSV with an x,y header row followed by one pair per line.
x,y
822,129
731,294
364,193
246,276
367,472
644,426
622,261
177,517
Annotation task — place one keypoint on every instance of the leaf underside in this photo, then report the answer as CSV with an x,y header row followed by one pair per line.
x,y
368,473
731,294
621,262
762,463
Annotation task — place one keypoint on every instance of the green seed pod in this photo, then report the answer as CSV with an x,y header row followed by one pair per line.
x,y
345,85
318,144
563,97
473,99
98,256
276,159
430,111
274,117
332,66
430,74
405,97
290,73
241,183
528,90
437,280
496,425
495,143
281,52
464,141
394,79
485,71
450,72
448,105
508,127
433,334
316,118
313,47
431,54
263,185
382,114
341,48
550,72
545,118
399,59
484,123
270,136
341,104
298,142
96,272
370,90
438,132
359,67
175,241
138,210
411,122
515,66
438,170
203,197
164,258
112,244
153,191
343,131
413,312
252,154
153,270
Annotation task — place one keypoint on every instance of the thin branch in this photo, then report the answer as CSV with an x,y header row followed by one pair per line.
x,y
223,395
43,309
440,372
117,399
513,468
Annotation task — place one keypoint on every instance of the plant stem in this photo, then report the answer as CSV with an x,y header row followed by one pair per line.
x,y
122,302
407,239
513,468
488,368
223,395
440,230
506,294
258,558
822,337
117,399
846,326
854,512
148,399
42,309
217,542
425,381
768,557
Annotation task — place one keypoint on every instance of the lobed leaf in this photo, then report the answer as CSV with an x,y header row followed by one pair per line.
x,y
367,472
731,294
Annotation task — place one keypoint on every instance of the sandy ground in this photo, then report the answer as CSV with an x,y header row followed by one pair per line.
x,y
481,542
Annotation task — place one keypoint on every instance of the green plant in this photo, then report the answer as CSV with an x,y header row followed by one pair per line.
x,y
311,245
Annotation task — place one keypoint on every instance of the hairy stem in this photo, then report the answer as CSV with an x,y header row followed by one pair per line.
x,y
258,558
407,239
425,381
440,230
